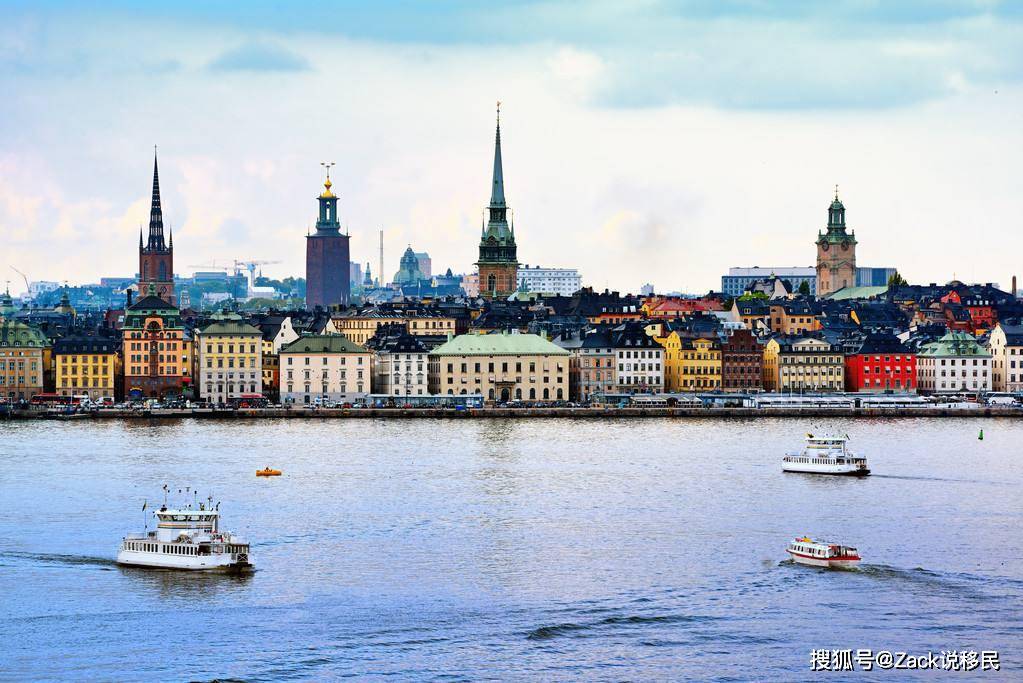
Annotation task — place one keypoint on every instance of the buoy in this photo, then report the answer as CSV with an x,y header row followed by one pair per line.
x,y
981,435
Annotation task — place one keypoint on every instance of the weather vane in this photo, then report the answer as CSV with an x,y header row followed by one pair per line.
x,y
327,165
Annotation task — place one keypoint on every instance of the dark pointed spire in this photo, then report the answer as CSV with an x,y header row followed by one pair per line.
x,y
497,191
155,212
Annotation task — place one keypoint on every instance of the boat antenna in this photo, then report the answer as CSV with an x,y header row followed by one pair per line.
x,y
165,495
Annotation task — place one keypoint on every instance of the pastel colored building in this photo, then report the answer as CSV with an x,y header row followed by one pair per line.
x,y
953,364
691,364
328,367
803,364
230,355
25,354
501,367
742,360
157,356
88,366
1006,344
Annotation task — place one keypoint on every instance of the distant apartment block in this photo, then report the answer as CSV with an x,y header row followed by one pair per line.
x,y
563,281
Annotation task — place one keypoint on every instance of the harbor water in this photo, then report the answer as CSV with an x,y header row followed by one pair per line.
x,y
503,549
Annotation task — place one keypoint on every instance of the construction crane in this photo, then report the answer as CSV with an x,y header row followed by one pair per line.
x,y
251,267
25,278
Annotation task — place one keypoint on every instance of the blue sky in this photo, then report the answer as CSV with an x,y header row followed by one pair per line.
x,y
645,141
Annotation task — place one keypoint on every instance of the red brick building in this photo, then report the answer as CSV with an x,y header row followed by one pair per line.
x,y
742,359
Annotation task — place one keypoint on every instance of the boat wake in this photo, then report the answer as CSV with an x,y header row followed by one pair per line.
x,y
55,559
583,629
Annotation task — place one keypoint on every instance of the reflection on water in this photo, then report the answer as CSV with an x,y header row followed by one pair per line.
x,y
509,549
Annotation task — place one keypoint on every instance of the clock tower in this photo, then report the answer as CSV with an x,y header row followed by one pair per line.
x,y
836,252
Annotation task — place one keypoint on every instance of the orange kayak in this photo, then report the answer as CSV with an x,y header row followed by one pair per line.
x,y
268,473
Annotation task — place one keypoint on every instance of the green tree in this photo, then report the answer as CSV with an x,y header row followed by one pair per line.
x,y
804,288
896,280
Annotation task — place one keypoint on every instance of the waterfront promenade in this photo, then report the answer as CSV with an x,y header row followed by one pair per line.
x,y
518,413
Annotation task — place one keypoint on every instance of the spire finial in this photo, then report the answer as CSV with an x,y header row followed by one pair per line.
x,y
836,190
499,113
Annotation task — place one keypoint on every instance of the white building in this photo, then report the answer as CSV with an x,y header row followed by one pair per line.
x,y
563,281
401,366
640,362
955,363
1007,358
329,367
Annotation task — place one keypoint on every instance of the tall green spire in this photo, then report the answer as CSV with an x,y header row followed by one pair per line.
x,y
497,224
497,192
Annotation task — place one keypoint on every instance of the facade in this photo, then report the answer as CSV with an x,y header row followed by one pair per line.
x,y
501,367
157,356
88,366
425,264
230,356
25,354
639,361
156,257
742,360
738,279
691,364
874,277
361,327
955,363
597,365
836,253
325,367
402,363
1006,343
797,316
498,262
327,259
561,281
881,363
471,284
803,364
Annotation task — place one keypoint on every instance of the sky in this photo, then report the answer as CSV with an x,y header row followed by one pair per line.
x,y
643,141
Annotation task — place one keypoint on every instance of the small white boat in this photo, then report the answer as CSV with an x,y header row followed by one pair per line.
x,y
822,553
825,455
188,539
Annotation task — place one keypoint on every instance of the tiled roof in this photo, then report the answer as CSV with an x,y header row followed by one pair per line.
x,y
499,345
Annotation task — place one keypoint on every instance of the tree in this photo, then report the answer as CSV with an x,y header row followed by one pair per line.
x,y
804,288
896,280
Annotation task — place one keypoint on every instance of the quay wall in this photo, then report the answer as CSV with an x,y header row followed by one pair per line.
x,y
521,413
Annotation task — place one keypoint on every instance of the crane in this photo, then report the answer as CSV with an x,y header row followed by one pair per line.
x,y
251,267
25,278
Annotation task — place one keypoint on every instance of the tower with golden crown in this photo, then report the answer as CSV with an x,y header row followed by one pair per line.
x,y
327,255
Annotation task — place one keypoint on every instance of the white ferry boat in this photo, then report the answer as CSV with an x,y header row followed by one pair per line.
x,y
189,539
826,455
822,554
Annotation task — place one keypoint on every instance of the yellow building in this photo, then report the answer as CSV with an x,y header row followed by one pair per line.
x,y
88,366
793,317
230,354
359,327
501,367
25,354
803,364
691,364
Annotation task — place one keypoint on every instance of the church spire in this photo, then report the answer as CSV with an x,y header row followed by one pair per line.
x,y
156,212
497,191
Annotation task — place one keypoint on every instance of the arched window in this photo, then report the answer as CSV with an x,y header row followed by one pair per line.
x,y
491,283
559,395
546,394
163,271
145,270
518,393
491,394
532,394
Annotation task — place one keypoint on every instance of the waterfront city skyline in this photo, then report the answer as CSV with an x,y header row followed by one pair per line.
x,y
628,179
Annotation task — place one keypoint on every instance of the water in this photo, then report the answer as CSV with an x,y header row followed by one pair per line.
x,y
507,550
